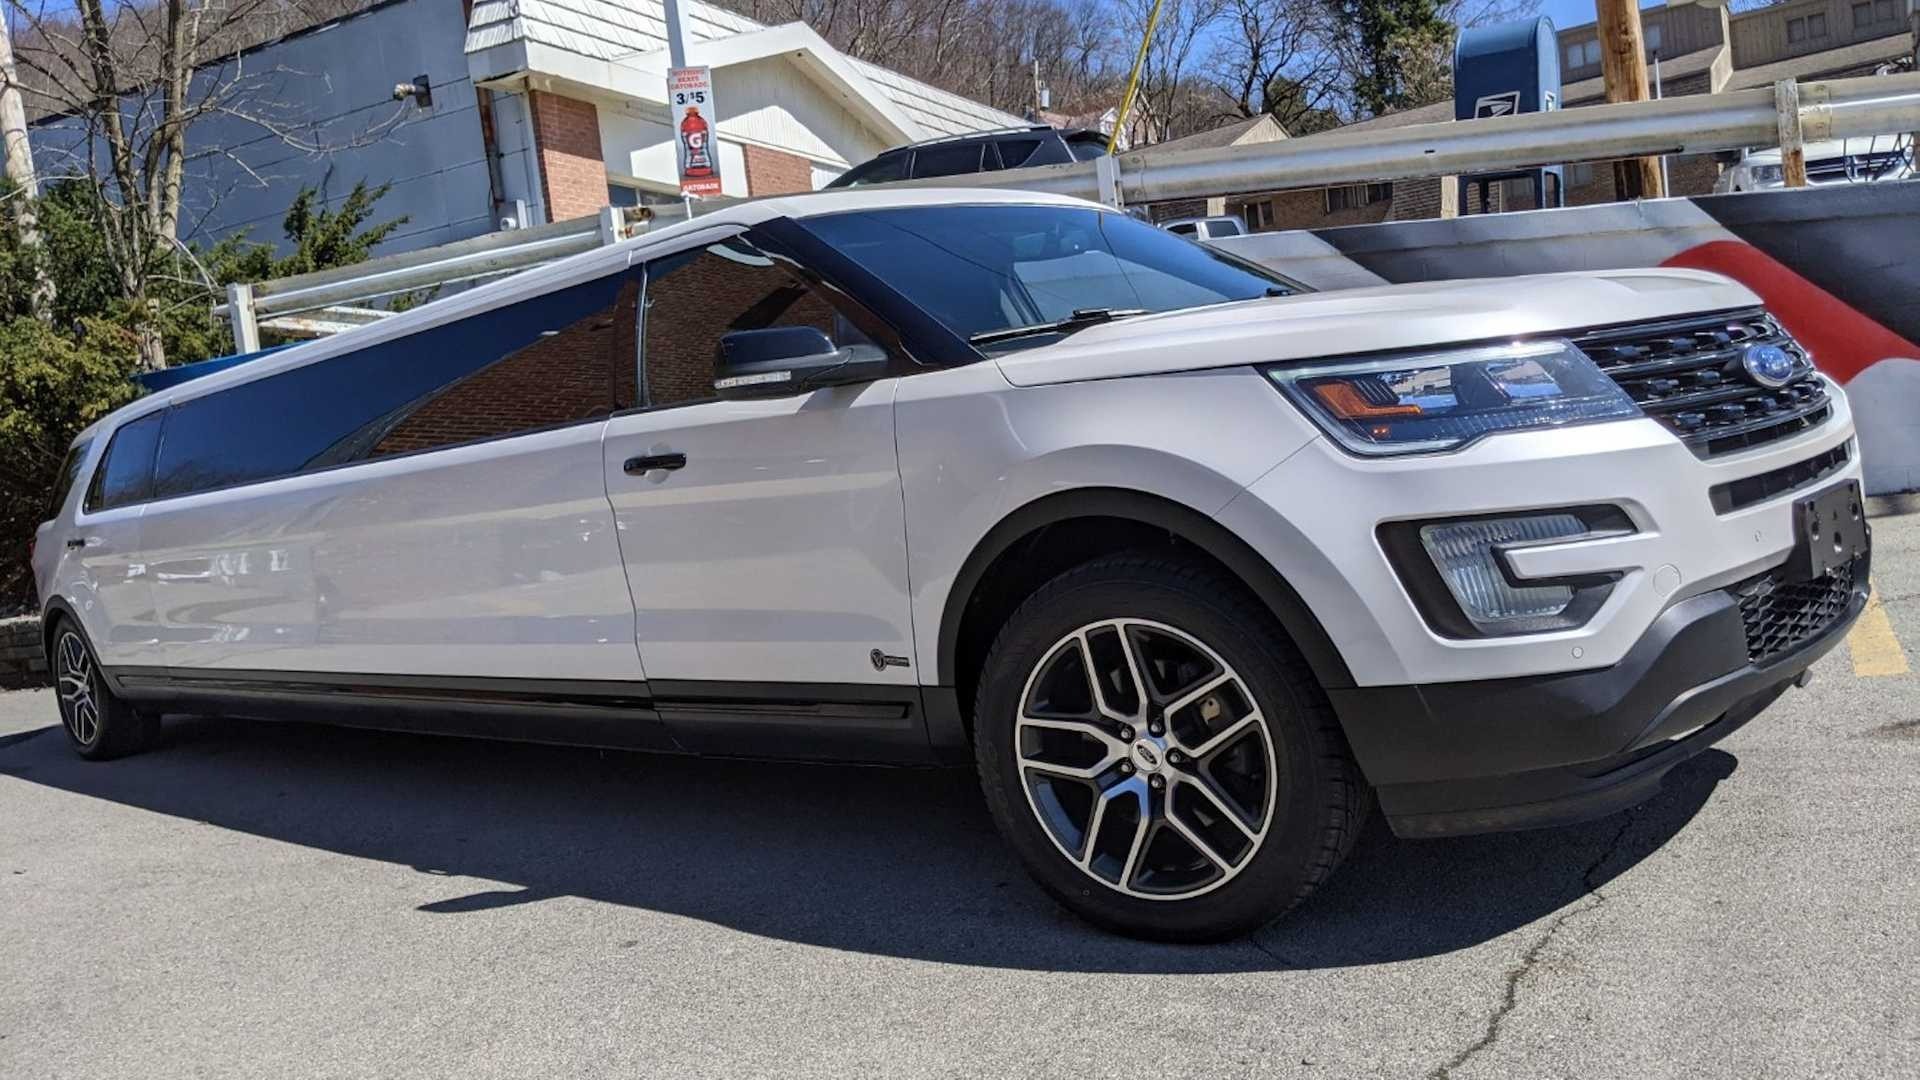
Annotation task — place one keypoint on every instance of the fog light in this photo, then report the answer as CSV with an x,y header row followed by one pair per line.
x,y
1467,555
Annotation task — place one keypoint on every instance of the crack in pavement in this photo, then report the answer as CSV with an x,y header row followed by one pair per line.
x,y
1510,997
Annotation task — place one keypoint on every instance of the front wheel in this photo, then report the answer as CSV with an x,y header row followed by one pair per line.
x,y
1158,754
99,723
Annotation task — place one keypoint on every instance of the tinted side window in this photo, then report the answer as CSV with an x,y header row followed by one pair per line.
x,y
696,297
1088,149
69,473
878,171
539,363
1015,152
125,475
947,160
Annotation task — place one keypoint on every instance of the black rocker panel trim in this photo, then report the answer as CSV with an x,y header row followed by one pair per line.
x,y
824,721
567,712
1190,525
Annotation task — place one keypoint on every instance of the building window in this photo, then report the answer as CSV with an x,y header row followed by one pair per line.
x,y
1799,30
630,195
1259,216
1583,53
1884,10
1862,16
1356,196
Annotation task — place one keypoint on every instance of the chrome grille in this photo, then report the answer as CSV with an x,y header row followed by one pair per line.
x,y
1688,375
1858,167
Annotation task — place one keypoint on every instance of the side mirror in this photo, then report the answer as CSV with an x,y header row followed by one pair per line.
x,y
783,360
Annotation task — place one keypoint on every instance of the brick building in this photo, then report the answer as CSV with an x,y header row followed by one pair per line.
x,y
1700,48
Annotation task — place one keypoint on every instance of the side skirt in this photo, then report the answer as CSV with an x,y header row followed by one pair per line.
x,y
815,721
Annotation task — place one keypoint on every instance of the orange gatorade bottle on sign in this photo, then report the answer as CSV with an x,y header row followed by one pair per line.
x,y
693,140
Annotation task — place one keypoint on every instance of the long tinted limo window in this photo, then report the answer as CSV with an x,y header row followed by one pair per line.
x,y
125,475
541,363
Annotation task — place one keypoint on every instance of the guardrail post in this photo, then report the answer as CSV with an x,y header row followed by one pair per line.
x,y
246,328
1106,173
1793,151
612,223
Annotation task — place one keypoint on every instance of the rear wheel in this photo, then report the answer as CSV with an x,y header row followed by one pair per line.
x,y
1158,754
99,723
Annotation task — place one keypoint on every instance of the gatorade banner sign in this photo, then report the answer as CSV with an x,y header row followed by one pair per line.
x,y
690,99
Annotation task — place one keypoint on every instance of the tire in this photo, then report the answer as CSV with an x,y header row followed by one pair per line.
x,y
100,725
1228,813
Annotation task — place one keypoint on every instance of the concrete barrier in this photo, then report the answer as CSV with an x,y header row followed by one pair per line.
x,y
1839,265
22,663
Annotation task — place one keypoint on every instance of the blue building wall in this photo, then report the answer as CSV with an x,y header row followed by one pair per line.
x,y
330,87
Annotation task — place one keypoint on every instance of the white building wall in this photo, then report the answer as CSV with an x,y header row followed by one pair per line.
x,y
768,103
773,103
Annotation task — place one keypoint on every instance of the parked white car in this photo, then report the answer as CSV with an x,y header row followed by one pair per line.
x,y
1206,228
1194,566
1835,161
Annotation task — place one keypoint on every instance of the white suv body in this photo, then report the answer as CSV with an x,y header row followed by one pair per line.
x,y
525,512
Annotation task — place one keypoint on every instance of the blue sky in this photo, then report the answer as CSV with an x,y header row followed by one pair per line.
x,y
1565,13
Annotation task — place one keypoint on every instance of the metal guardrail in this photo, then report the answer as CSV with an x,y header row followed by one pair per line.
x,y
1704,123
1833,109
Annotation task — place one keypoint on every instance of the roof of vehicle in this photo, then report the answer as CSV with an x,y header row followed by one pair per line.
x,y
987,135
575,270
1229,218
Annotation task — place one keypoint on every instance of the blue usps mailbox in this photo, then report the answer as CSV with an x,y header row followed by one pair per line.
x,y
1505,69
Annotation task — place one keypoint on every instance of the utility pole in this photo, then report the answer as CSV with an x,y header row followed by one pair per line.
x,y
1623,64
676,35
18,155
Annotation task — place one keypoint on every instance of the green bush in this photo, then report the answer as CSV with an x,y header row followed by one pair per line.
x,y
53,383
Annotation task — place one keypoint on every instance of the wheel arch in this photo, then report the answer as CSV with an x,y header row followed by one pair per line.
x,y
50,616
1115,518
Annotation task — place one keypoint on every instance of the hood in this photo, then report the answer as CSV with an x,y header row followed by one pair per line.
x,y
1313,326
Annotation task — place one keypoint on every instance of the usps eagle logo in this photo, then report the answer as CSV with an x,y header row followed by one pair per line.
x,y
1502,104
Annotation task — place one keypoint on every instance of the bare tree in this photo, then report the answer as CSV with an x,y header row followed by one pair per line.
x,y
1273,58
121,84
24,185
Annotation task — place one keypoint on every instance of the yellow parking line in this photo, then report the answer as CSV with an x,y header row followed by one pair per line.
x,y
1875,650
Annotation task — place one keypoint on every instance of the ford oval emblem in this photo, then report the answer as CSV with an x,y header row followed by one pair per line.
x,y
1769,365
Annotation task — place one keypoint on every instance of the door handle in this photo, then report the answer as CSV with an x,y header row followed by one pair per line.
x,y
650,462
76,542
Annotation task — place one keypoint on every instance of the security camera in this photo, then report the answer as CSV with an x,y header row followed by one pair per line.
x,y
420,90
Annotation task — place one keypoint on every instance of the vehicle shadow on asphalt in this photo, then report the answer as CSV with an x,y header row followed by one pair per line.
x,y
886,861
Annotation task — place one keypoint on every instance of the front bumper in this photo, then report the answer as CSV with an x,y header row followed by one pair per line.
x,y
1514,753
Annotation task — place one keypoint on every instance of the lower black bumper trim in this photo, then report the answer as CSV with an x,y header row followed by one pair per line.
x,y
1500,754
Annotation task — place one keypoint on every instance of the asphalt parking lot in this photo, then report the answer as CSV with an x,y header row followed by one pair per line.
x,y
268,900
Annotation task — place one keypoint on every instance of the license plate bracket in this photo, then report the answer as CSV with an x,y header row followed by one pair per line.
x,y
1831,528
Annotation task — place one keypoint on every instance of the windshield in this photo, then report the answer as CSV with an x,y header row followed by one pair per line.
x,y
981,269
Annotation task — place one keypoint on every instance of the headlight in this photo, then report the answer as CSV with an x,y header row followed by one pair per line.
x,y
1766,174
1429,402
